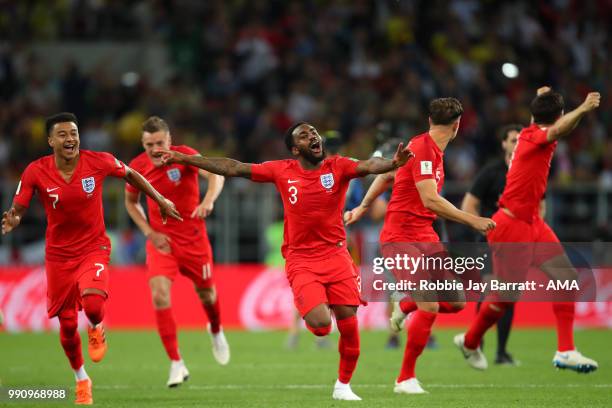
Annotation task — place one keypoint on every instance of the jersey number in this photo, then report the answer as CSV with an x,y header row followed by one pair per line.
x,y
56,199
293,197
100,269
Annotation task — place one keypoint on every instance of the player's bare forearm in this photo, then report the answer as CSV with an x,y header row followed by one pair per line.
x,y
568,122
219,165
565,124
138,181
215,186
381,183
136,212
445,209
376,165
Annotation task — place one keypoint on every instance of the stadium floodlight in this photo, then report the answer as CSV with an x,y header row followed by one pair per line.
x,y
510,70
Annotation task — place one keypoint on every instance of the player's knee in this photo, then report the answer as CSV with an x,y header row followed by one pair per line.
x,y
431,307
321,329
161,298
93,305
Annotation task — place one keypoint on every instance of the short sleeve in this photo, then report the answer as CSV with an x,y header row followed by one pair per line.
x,y
113,166
424,162
536,135
481,183
25,188
347,167
264,172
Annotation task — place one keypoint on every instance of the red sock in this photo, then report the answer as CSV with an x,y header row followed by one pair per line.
x,y
418,332
485,318
214,315
93,305
348,346
564,312
445,307
70,339
407,305
319,331
166,327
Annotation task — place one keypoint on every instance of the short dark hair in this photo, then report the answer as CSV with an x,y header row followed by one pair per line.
x,y
444,111
155,124
502,133
59,118
289,142
547,107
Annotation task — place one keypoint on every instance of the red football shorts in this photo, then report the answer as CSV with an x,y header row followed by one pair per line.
x,y
517,245
192,261
67,279
333,281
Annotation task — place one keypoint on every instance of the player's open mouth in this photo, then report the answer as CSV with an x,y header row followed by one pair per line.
x,y
315,147
70,148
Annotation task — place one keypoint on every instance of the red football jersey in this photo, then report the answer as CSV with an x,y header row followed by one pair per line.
x,y
313,201
178,183
527,175
75,217
406,213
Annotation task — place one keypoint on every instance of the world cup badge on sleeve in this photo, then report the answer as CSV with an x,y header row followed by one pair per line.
x,y
327,180
89,184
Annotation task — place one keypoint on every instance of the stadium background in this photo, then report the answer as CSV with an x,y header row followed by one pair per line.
x,y
231,76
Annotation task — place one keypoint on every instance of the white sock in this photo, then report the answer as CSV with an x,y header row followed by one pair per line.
x,y
341,385
177,362
81,374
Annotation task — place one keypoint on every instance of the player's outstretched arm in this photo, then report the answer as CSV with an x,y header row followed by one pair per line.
x,y
381,183
566,123
379,165
217,165
12,218
215,186
166,207
428,192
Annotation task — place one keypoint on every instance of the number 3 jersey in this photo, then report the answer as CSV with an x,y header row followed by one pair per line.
x,y
313,201
75,217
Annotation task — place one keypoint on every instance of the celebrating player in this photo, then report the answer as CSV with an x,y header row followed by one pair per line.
x,y
482,200
69,185
518,220
415,203
176,247
319,268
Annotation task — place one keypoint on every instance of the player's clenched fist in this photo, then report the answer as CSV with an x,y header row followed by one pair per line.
x,y
352,216
591,101
10,220
483,225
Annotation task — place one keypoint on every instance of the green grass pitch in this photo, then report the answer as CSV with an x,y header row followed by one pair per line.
x,y
262,373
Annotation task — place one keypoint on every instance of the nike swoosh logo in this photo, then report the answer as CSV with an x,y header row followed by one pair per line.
x,y
51,189
292,181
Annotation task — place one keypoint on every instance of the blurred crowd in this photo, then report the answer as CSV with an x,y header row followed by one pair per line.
x,y
244,71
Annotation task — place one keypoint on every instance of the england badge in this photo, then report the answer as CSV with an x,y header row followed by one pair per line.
x,y
89,184
327,180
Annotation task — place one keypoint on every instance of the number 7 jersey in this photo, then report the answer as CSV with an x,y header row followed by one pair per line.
x,y
75,217
313,202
